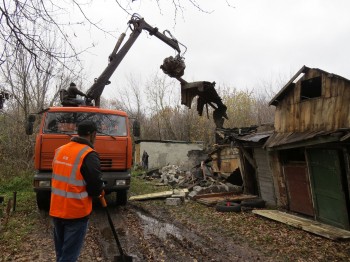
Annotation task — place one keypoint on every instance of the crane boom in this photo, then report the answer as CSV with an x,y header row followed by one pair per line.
x,y
137,24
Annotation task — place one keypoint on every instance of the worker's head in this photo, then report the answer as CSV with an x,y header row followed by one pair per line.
x,y
72,84
87,129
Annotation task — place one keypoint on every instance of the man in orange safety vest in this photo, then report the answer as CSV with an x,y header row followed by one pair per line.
x,y
76,178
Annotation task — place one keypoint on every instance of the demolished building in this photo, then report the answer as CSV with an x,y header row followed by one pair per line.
x,y
302,165
310,146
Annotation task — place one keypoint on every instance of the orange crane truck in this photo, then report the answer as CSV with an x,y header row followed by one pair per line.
x,y
113,141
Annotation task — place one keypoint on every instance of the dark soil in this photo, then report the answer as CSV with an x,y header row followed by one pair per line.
x,y
152,231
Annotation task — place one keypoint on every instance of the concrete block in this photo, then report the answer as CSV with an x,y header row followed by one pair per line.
x,y
197,188
192,194
173,201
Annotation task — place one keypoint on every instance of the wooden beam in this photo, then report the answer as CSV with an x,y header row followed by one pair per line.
x,y
214,198
246,154
308,225
163,194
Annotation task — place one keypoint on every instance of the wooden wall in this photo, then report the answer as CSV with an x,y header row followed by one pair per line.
x,y
278,180
328,112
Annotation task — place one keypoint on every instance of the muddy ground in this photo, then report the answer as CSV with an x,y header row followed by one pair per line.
x,y
146,234
154,235
152,231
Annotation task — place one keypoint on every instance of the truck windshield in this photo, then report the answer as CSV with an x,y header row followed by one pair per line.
x,y
67,122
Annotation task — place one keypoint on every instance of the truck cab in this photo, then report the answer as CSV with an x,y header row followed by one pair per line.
x,y
113,144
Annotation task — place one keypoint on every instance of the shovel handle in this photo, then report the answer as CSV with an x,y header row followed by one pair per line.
x,y
102,200
104,204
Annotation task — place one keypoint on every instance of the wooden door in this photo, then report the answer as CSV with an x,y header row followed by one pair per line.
x,y
298,187
327,187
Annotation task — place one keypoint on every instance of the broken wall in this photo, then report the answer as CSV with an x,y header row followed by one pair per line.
x,y
162,153
225,160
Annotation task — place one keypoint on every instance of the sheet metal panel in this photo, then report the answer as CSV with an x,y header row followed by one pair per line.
x,y
264,176
256,137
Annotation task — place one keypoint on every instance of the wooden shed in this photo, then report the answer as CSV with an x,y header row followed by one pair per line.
x,y
309,150
252,160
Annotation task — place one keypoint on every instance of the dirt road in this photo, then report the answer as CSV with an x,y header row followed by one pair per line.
x,y
146,236
157,237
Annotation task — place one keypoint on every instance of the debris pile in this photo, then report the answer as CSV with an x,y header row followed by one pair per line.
x,y
171,175
201,179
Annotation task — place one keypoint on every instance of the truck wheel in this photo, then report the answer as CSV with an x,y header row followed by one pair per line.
x,y
228,206
254,203
43,200
122,197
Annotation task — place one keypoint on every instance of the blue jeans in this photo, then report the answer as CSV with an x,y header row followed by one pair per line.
x,y
69,237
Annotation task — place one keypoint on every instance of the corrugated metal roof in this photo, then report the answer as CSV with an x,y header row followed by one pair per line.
x,y
255,137
279,139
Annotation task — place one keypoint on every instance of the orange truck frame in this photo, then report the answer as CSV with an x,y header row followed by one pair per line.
x,y
113,144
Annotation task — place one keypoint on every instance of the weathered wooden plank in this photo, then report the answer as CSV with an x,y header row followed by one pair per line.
x,y
345,114
327,84
278,119
305,117
329,117
163,194
308,225
211,201
341,105
210,195
318,114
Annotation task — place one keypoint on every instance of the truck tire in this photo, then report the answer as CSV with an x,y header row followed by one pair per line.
x,y
228,207
122,197
253,203
43,199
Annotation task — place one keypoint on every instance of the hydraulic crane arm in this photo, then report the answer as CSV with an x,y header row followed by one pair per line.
x,y
207,95
136,24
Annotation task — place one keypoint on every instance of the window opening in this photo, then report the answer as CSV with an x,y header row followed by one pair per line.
x,y
311,88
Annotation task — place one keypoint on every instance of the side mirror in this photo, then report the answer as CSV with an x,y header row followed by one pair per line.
x,y
136,129
30,124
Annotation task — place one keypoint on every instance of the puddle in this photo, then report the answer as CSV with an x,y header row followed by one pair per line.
x,y
109,245
152,226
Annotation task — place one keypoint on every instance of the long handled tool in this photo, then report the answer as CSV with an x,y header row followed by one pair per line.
x,y
123,257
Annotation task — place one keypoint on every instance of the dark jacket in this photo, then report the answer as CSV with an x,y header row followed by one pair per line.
x,y
91,169
73,91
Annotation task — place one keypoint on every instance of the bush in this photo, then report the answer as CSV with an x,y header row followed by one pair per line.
x,y
20,182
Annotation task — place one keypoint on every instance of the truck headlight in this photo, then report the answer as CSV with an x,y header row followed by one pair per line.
x,y
45,183
120,182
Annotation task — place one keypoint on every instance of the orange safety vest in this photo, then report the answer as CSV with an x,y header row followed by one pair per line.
x,y
69,198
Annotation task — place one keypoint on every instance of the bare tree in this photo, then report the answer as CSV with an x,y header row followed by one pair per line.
x,y
32,89
130,97
161,93
265,91
24,25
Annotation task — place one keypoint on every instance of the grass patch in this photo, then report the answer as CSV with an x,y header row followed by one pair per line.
x,y
140,186
19,222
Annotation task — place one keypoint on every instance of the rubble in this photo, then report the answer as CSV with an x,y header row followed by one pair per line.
x,y
200,180
171,175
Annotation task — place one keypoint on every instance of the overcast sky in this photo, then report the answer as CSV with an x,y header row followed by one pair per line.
x,y
241,46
